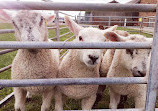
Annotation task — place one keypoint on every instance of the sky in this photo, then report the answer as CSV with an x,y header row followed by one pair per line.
x,y
74,1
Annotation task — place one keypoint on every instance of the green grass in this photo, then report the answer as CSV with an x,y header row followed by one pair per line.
x,y
36,101
128,29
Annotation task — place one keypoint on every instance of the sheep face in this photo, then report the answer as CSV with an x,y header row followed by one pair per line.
x,y
134,60
90,57
30,26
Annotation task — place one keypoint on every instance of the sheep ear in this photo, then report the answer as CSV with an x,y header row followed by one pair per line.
x,y
51,18
4,16
101,27
113,28
74,27
112,36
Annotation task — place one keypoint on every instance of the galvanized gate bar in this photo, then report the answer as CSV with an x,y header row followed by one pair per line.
x,y
2,31
63,28
65,34
8,97
5,68
69,38
7,51
51,27
72,81
73,45
56,24
78,6
134,109
153,78
64,54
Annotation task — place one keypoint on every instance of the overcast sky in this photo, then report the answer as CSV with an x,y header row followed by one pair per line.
x,y
75,1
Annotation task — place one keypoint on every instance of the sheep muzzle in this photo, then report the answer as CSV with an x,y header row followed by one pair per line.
x,y
33,51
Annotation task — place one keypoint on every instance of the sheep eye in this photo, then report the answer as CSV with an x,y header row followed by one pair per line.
x,y
14,24
130,52
80,38
42,19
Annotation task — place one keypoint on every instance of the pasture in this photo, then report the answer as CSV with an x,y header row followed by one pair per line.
x,y
34,103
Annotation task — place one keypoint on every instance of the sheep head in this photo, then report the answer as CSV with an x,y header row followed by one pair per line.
x,y
31,26
90,57
134,60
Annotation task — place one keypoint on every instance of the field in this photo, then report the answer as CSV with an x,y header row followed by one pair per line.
x,y
35,103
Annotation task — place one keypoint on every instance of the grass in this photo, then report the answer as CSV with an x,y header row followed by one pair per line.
x,y
36,101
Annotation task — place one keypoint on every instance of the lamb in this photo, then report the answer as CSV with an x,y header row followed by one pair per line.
x,y
104,67
80,63
109,53
136,66
33,63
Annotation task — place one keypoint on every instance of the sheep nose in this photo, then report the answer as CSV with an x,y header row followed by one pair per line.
x,y
138,73
93,58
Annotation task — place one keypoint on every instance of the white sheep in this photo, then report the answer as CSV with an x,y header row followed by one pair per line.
x,y
128,63
33,63
105,64
80,63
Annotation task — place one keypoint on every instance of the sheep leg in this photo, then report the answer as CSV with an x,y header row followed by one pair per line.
x,y
123,99
114,99
100,93
47,98
140,101
29,95
58,100
20,97
87,103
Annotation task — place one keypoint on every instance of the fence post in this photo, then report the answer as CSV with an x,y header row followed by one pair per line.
x,y
109,21
57,25
153,75
141,24
125,21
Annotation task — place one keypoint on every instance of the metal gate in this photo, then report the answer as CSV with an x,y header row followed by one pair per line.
x,y
153,76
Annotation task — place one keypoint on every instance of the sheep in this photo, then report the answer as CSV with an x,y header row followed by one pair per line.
x,y
104,67
128,63
33,63
80,63
110,52
120,32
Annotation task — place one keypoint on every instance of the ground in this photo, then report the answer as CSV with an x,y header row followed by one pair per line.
x,y
36,101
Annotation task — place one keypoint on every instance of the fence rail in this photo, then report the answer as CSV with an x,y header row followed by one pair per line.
x,y
72,45
134,109
5,68
8,97
78,6
7,51
3,31
72,81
